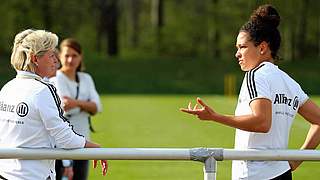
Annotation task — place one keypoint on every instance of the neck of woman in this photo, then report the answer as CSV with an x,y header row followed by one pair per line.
x,y
266,57
267,60
70,73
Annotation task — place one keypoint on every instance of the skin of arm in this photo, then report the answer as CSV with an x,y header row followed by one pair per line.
x,y
87,106
258,121
311,112
91,145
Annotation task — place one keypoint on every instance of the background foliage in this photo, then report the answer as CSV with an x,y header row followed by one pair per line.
x,y
165,46
188,28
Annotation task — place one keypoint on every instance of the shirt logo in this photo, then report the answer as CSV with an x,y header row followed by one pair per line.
x,y
295,103
283,99
6,107
22,109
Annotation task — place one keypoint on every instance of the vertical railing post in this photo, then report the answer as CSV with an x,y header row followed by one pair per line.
x,y
210,168
209,157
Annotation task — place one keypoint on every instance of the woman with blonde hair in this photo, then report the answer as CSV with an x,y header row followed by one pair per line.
x,y
33,117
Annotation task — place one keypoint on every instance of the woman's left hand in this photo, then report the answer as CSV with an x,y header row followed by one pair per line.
x,y
204,112
104,166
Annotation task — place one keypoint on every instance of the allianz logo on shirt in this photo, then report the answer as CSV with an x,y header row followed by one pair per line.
x,y
22,108
283,99
6,107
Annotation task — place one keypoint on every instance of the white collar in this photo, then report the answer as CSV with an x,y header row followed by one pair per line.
x,y
28,75
268,63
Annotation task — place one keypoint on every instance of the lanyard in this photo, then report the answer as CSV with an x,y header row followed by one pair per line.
x,y
78,86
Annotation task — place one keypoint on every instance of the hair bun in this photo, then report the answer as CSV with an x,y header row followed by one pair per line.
x,y
266,15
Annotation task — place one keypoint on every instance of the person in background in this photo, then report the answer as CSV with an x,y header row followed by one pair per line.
x,y
268,101
30,113
80,101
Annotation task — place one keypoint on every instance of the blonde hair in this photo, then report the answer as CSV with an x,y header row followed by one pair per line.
x,y
30,43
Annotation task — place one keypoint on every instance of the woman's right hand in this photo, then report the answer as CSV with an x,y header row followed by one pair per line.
x,y
104,163
104,166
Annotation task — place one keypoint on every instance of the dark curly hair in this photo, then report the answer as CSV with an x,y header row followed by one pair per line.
x,y
262,26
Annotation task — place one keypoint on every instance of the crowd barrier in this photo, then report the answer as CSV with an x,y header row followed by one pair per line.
x,y
208,156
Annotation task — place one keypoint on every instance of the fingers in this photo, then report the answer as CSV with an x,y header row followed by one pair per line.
x,y
95,163
201,102
189,105
104,166
195,110
184,110
68,171
188,111
195,107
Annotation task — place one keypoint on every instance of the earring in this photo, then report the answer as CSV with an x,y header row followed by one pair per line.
x,y
261,52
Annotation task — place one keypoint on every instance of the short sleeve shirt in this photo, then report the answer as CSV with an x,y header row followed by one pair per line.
x,y
269,82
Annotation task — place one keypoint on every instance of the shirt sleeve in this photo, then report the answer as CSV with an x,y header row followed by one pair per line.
x,y
258,86
51,114
94,96
303,97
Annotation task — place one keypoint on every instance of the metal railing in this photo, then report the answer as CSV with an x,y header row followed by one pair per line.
x,y
209,156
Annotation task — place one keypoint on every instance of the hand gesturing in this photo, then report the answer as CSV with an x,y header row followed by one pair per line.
x,y
202,111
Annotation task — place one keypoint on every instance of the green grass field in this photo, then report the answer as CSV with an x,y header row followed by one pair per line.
x,y
155,121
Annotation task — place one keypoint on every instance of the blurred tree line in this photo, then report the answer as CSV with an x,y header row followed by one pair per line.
x,y
193,28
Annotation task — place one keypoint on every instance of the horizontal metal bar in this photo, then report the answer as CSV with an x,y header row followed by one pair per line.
x,y
232,154
97,153
155,154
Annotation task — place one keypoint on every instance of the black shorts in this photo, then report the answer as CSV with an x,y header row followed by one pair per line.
x,y
285,176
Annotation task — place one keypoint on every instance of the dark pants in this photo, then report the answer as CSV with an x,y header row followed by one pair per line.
x,y
80,169
285,176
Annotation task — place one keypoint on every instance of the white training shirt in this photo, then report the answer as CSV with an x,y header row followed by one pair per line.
x,y
269,82
31,117
86,91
